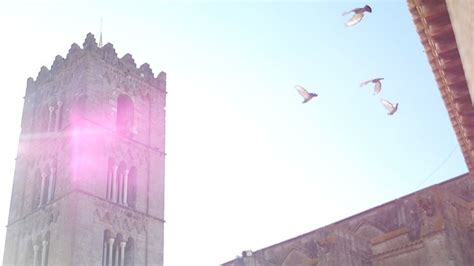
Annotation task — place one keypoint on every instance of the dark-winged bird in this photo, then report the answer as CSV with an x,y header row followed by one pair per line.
x,y
389,106
377,86
306,95
358,15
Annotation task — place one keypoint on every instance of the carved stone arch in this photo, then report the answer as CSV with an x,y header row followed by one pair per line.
x,y
37,238
296,257
367,230
427,204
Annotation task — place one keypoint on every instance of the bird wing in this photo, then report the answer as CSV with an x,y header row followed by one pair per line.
x,y
354,20
365,83
388,105
302,91
347,12
377,87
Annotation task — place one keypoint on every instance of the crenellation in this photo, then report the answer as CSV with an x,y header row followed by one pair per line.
x,y
57,64
30,86
161,81
74,52
44,75
109,54
128,61
90,43
114,64
146,72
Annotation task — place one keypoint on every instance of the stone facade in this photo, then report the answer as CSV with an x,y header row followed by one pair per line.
x,y
434,226
89,178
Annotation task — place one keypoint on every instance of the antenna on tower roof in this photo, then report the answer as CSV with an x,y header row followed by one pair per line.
x,y
100,37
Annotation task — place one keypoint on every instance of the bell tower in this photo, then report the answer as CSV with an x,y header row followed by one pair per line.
x,y
88,186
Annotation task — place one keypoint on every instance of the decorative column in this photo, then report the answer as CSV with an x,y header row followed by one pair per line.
x,y
43,253
119,189
117,255
125,186
122,253
114,177
35,255
58,116
109,180
43,177
52,181
51,110
111,247
104,253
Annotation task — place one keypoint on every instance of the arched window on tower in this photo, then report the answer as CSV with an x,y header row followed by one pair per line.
x,y
37,251
117,255
106,254
110,178
52,180
132,187
36,190
29,254
45,179
45,249
118,190
129,252
125,115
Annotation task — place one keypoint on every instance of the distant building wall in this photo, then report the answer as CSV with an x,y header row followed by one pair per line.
x,y
434,226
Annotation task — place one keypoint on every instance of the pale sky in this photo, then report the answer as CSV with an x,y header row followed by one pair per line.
x,y
248,164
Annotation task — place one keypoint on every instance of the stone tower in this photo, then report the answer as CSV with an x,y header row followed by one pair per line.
x,y
89,178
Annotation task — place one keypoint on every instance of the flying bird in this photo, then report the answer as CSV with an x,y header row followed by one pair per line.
x,y
358,15
377,86
389,106
306,95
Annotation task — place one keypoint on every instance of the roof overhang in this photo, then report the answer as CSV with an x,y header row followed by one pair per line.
x,y
435,27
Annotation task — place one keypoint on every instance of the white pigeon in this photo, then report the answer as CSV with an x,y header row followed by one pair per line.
x,y
389,106
358,15
306,95
377,86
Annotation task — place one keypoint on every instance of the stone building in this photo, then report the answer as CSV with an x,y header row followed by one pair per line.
x,y
89,177
433,226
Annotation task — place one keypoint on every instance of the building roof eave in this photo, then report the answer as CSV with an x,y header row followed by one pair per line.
x,y
433,24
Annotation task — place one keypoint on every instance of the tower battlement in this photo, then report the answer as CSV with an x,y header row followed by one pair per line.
x,y
107,55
